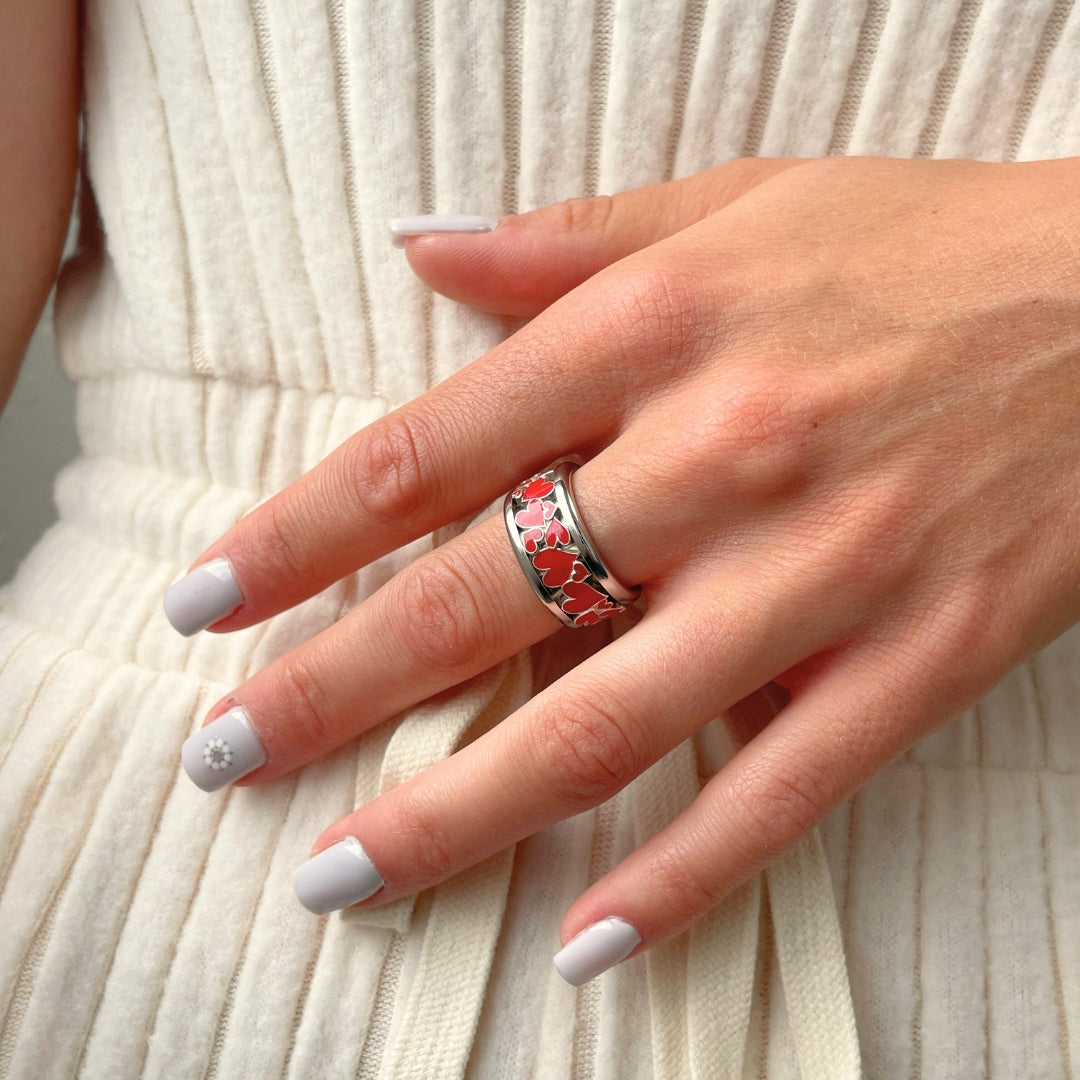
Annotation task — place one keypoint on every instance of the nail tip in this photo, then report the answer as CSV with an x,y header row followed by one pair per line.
x,y
337,877
596,948
420,224
567,976
202,597
172,610
178,626
201,782
311,905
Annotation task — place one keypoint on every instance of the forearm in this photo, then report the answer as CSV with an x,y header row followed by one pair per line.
x,y
39,110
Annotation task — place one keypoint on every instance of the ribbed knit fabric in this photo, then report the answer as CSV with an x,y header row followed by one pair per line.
x,y
234,313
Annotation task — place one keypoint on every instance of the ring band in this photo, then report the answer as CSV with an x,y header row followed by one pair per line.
x,y
556,551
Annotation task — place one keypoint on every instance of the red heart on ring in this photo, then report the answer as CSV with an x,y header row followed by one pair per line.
x,y
535,514
582,597
555,566
595,614
538,487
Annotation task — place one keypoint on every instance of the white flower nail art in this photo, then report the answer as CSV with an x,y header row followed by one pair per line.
x,y
223,751
217,753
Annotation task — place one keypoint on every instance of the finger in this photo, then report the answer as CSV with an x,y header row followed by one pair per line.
x,y
428,463
443,618
566,383
529,260
847,724
572,746
440,620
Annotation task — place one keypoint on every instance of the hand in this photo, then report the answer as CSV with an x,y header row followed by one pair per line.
x,y
829,415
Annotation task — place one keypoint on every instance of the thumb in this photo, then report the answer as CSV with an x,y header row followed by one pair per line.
x,y
529,260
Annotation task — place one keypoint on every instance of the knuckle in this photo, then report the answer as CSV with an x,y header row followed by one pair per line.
x,y
307,703
588,752
866,536
279,539
763,416
781,805
440,616
763,431
424,836
661,307
758,430
875,534
385,465
687,891
933,637
978,622
583,214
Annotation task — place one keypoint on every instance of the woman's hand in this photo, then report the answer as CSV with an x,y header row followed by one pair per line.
x,y
831,417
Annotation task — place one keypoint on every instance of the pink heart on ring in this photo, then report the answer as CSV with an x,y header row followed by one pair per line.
x,y
531,538
557,533
535,514
556,566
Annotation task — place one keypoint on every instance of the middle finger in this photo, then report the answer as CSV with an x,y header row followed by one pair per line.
x,y
442,455
451,614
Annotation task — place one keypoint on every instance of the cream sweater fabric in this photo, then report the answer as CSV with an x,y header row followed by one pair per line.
x,y
236,311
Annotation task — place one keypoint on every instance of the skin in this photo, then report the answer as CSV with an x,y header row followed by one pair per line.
x,y
39,126
851,383
850,387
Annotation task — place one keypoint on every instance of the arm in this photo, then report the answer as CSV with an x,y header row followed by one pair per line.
x,y
39,129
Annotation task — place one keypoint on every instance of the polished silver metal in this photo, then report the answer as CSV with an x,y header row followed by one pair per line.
x,y
556,551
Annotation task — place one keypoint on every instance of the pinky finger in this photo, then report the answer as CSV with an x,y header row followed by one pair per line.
x,y
839,729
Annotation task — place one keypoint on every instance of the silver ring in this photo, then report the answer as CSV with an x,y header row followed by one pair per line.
x,y
556,551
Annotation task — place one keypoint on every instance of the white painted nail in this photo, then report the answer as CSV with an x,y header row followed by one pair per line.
x,y
202,597
338,876
223,751
598,947
429,223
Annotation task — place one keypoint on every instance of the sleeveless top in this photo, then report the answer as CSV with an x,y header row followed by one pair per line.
x,y
235,310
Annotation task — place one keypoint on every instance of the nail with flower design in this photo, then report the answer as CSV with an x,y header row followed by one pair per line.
x,y
223,751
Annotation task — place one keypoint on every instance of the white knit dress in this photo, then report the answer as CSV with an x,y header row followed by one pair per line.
x,y
235,312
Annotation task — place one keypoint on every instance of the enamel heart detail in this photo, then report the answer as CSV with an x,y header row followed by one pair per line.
x,y
549,544
556,566
557,533
539,522
580,597
531,539
596,614
534,488
538,487
536,514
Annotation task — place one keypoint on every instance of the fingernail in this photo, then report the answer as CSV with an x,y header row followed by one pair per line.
x,y
429,223
202,597
223,751
338,876
595,949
